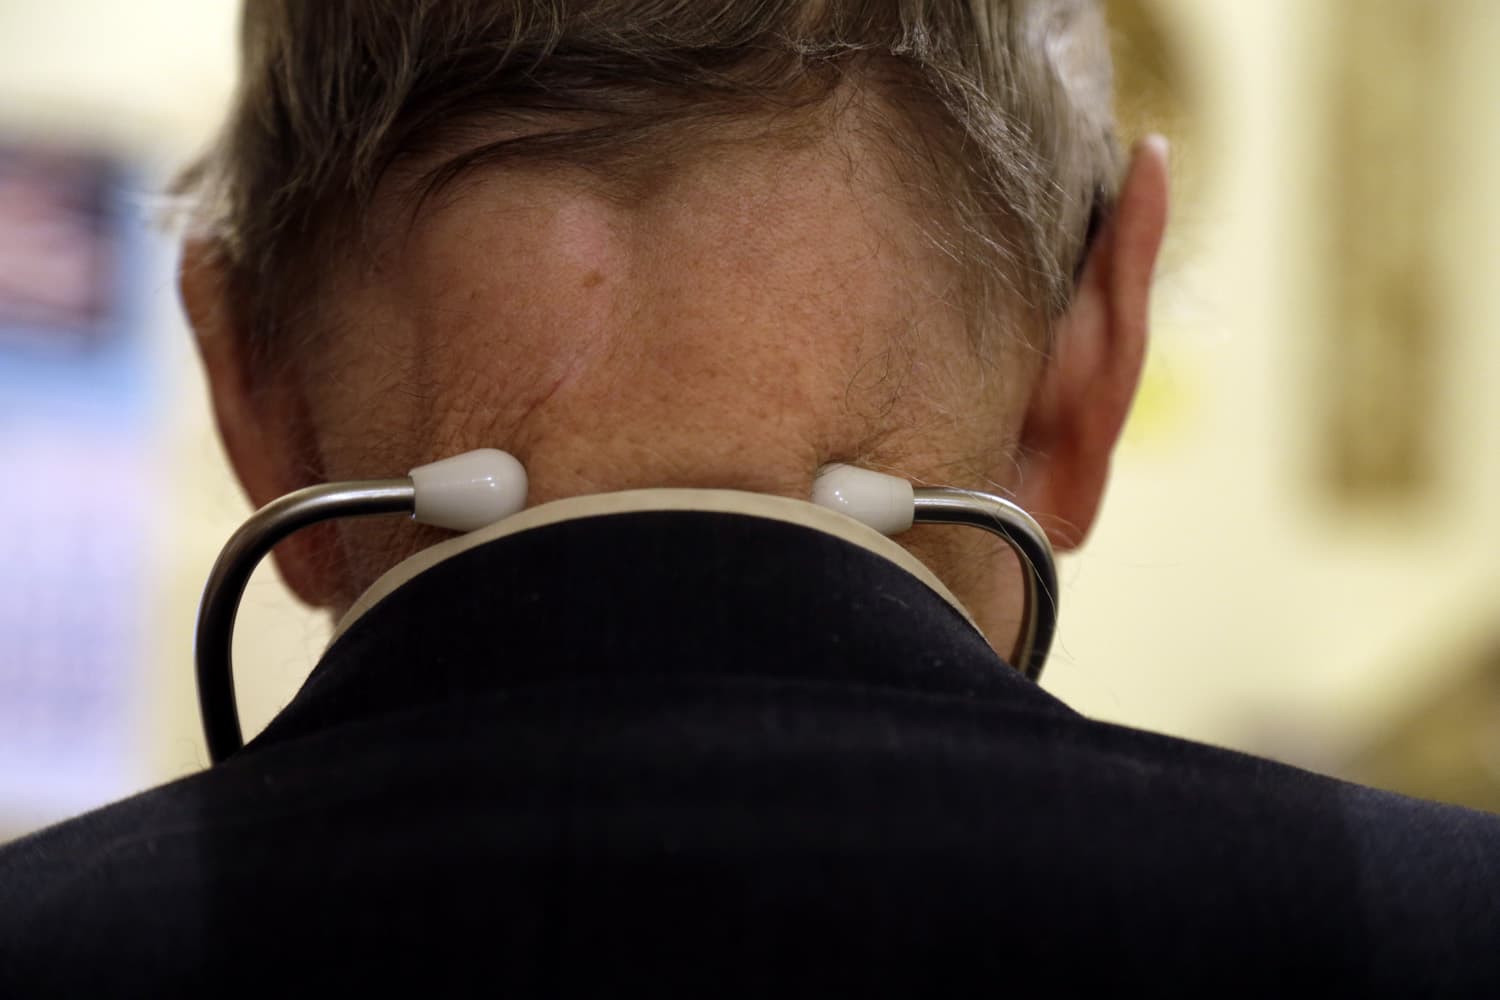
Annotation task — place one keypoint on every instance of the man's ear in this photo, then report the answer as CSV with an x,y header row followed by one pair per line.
x,y
1083,395
262,419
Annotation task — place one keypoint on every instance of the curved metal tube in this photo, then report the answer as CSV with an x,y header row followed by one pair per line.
x,y
271,524
1026,538
226,585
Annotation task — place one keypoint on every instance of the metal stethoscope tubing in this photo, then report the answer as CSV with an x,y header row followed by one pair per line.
x,y
287,515
998,516
220,605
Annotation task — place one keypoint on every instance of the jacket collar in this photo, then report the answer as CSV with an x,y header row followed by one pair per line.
x,y
759,505
651,583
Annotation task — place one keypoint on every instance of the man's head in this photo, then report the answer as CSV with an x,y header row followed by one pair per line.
x,y
663,242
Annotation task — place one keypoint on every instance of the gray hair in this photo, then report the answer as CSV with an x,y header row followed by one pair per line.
x,y
1002,107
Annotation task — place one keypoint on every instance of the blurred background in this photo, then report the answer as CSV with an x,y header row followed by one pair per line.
x,y
1299,557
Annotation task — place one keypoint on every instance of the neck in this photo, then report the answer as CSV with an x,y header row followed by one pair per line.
x,y
746,323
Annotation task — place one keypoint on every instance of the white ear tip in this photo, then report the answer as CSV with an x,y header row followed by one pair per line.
x,y
469,491
883,502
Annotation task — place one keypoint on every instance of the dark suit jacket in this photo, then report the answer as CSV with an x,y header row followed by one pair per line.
x,y
675,752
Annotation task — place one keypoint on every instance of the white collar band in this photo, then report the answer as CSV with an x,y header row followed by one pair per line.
x,y
775,508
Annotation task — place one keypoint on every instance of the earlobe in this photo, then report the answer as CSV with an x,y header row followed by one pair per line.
x,y
1084,393
262,425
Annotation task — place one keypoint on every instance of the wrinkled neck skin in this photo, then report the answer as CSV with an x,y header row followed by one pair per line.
x,y
736,323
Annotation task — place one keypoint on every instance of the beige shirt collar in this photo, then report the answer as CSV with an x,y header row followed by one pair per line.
x,y
774,508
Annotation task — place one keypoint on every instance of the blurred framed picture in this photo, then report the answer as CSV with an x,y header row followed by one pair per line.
x,y
59,247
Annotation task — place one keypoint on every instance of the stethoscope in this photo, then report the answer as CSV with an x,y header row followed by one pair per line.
x,y
478,488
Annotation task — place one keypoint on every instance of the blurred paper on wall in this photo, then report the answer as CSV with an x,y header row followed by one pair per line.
x,y
74,419
1379,366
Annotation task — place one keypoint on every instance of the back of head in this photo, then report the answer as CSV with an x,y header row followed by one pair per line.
x,y
645,242
998,112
